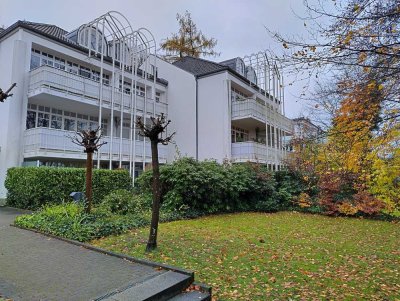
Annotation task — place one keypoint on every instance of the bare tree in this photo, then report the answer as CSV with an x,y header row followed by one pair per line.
x,y
154,132
90,140
5,95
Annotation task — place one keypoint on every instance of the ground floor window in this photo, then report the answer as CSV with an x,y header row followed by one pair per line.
x,y
239,135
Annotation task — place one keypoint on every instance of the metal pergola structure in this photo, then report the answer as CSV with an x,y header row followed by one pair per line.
x,y
132,54
269,82
269,76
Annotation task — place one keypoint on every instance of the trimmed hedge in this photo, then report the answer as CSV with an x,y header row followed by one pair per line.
x,y
33,187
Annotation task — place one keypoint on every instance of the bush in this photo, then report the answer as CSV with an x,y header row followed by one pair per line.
x,y
33,187
123,202
70,221
208,187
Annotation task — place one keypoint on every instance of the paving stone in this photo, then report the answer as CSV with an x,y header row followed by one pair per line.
x,y
36,267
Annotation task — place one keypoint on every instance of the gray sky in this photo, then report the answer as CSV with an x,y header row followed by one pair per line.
x,y
238,25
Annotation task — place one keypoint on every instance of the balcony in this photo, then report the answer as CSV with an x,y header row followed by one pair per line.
x,y
57,82
252,113
254,152
44,142
248,108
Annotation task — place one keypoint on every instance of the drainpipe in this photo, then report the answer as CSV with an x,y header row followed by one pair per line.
x,y
197,119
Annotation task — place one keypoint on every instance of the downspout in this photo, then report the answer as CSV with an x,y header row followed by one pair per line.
x,y
197,118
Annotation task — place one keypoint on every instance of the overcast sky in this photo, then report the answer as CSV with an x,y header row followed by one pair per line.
x,y
238,25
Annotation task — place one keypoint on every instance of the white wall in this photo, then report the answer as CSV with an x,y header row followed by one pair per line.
x,y
181,99
214,117
14,56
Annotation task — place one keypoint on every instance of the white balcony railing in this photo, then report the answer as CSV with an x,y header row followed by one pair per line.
x,y
248,107
51,140
254,152
57,80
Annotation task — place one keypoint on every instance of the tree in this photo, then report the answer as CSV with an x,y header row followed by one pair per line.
x,y
189,41
154,132
90,140
353,35
5,95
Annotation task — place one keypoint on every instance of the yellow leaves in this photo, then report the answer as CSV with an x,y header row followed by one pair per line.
x,y
285,46
348,38
362,57
356,8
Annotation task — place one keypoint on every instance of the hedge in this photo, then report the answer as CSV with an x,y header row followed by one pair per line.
x,y
32,187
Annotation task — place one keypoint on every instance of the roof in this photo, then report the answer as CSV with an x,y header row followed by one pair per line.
x,y
201,67
198,66
230,63
55,33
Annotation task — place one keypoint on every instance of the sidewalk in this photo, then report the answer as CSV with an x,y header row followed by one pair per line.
x,y
36,267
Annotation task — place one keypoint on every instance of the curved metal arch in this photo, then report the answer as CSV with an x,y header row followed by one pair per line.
x,y
112,25
142,44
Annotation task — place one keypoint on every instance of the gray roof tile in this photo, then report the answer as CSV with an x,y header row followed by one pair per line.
x,y
198,66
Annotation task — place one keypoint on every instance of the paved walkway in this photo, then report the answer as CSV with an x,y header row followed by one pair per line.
x,y
36,267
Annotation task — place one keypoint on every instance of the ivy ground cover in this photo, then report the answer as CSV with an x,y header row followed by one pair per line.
x,y
279,256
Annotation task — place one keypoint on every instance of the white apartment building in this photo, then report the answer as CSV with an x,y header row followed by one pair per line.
x,y
105,74
228,111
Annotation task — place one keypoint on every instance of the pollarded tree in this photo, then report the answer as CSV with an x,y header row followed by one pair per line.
x,y
5,95
154,132
189,41
90,140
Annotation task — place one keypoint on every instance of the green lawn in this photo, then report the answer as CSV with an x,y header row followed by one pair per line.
x,y
280,256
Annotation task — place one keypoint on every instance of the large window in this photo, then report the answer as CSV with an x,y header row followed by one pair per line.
x,y
239,135
35,59
42,116
43,120
30,119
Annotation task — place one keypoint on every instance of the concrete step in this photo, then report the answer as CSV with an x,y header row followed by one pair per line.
x,y
159,288
192,296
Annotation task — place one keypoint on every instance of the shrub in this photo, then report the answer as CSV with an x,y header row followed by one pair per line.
x,y
123,202
209,187
367,203
33,187
70,221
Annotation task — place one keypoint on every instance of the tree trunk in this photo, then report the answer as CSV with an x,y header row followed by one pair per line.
x,y
152,242
89,168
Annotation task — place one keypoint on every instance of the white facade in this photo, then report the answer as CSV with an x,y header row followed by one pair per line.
x,y
59,92
64,85
228,117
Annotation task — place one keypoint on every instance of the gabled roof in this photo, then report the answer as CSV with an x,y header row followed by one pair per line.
x,y
198,66
48,30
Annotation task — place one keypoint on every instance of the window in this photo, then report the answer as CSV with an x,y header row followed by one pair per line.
x,y
85,72
59,63
30,120
56,122
96,76
72,68
43,120
35,59
140,91
69,124
239,135
47,59
82,125
106,79
158,96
